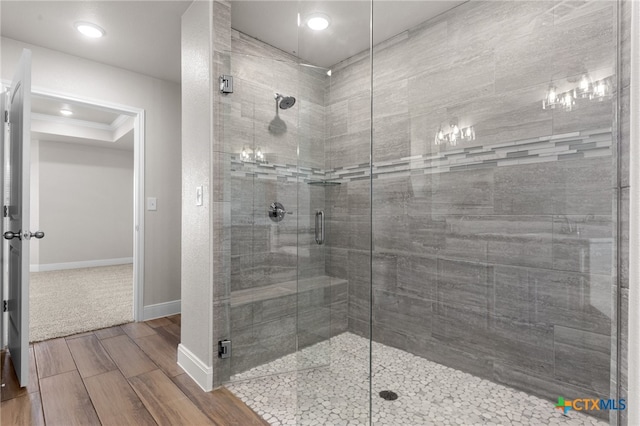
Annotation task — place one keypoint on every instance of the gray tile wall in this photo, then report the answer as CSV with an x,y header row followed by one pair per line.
x,y
502,268
264,252
497,261
623,213
267,255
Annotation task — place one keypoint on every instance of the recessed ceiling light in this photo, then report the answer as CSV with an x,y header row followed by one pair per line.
x,y
89,29
66,112
318,22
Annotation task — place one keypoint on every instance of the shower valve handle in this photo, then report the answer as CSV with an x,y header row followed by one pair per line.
x,y
277,211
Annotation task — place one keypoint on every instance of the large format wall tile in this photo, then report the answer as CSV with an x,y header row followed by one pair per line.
x,y
493,256
504,241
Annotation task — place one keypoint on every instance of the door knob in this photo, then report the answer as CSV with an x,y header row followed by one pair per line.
x,y
27,235
11,235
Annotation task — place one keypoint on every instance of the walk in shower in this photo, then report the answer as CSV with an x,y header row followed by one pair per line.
x,y
424,229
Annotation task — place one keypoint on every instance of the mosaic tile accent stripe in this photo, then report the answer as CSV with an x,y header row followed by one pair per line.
x,y
586,144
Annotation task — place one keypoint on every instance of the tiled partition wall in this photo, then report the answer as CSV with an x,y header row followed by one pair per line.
x,y
493,256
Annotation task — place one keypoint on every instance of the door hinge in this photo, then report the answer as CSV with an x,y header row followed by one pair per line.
x,y
6,116
5,211
226,84
224,349
5,306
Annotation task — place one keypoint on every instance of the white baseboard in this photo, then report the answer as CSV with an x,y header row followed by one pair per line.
x,y
160,310
195,368
82,264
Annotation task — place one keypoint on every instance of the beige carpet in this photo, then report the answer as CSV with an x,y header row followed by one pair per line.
x,y
77,300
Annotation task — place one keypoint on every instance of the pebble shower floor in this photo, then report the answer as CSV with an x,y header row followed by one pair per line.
x,y
429,393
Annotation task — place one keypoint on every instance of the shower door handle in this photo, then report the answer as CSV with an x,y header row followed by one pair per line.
x,y
320,227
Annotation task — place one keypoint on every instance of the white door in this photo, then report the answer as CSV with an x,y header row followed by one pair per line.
x,y
18,232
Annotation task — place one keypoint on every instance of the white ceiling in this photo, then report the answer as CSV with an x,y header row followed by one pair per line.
x,y
141,36
276,23
144,36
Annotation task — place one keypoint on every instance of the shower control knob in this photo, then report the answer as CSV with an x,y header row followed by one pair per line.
x,y
277,211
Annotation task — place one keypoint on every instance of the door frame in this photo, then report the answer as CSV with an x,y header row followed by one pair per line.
x,y
633,355
138,115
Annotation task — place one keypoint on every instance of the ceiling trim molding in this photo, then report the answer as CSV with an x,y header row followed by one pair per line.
x,y
119,121
72,122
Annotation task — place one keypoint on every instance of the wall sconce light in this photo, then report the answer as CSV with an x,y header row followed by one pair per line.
x,y
455,134
586,89
247,154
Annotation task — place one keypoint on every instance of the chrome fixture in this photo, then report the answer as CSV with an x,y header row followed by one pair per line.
x,y
277,211
574,226
323,183
226,84
20,235
455,134
320,227
585,89
285,102
224,349
248,154
277,126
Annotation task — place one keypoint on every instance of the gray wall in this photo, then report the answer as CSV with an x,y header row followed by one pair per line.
x,y
477,263
624,188
267,256
494,257
265,252
85,203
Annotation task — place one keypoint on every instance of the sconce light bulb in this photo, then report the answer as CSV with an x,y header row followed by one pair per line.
x,y
567,101
584,83
468,134
600,89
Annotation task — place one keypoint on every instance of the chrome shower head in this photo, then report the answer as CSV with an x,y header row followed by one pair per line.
x,y
285,102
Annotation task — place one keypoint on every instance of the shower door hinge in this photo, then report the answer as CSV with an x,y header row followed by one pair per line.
x,y
226,84
224,349
6,116
5,306
5,211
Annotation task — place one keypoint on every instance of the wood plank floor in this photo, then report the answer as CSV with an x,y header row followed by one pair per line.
x,y
125,375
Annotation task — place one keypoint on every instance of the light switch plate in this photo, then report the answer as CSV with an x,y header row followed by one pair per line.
x,y
152,203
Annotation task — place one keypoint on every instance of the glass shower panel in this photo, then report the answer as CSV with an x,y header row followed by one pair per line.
x,y
332,384
262,133
493,222
315,287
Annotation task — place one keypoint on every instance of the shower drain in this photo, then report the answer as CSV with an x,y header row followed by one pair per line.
x,y
388,395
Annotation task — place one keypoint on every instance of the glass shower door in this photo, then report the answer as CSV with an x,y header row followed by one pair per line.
x,y
262,132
